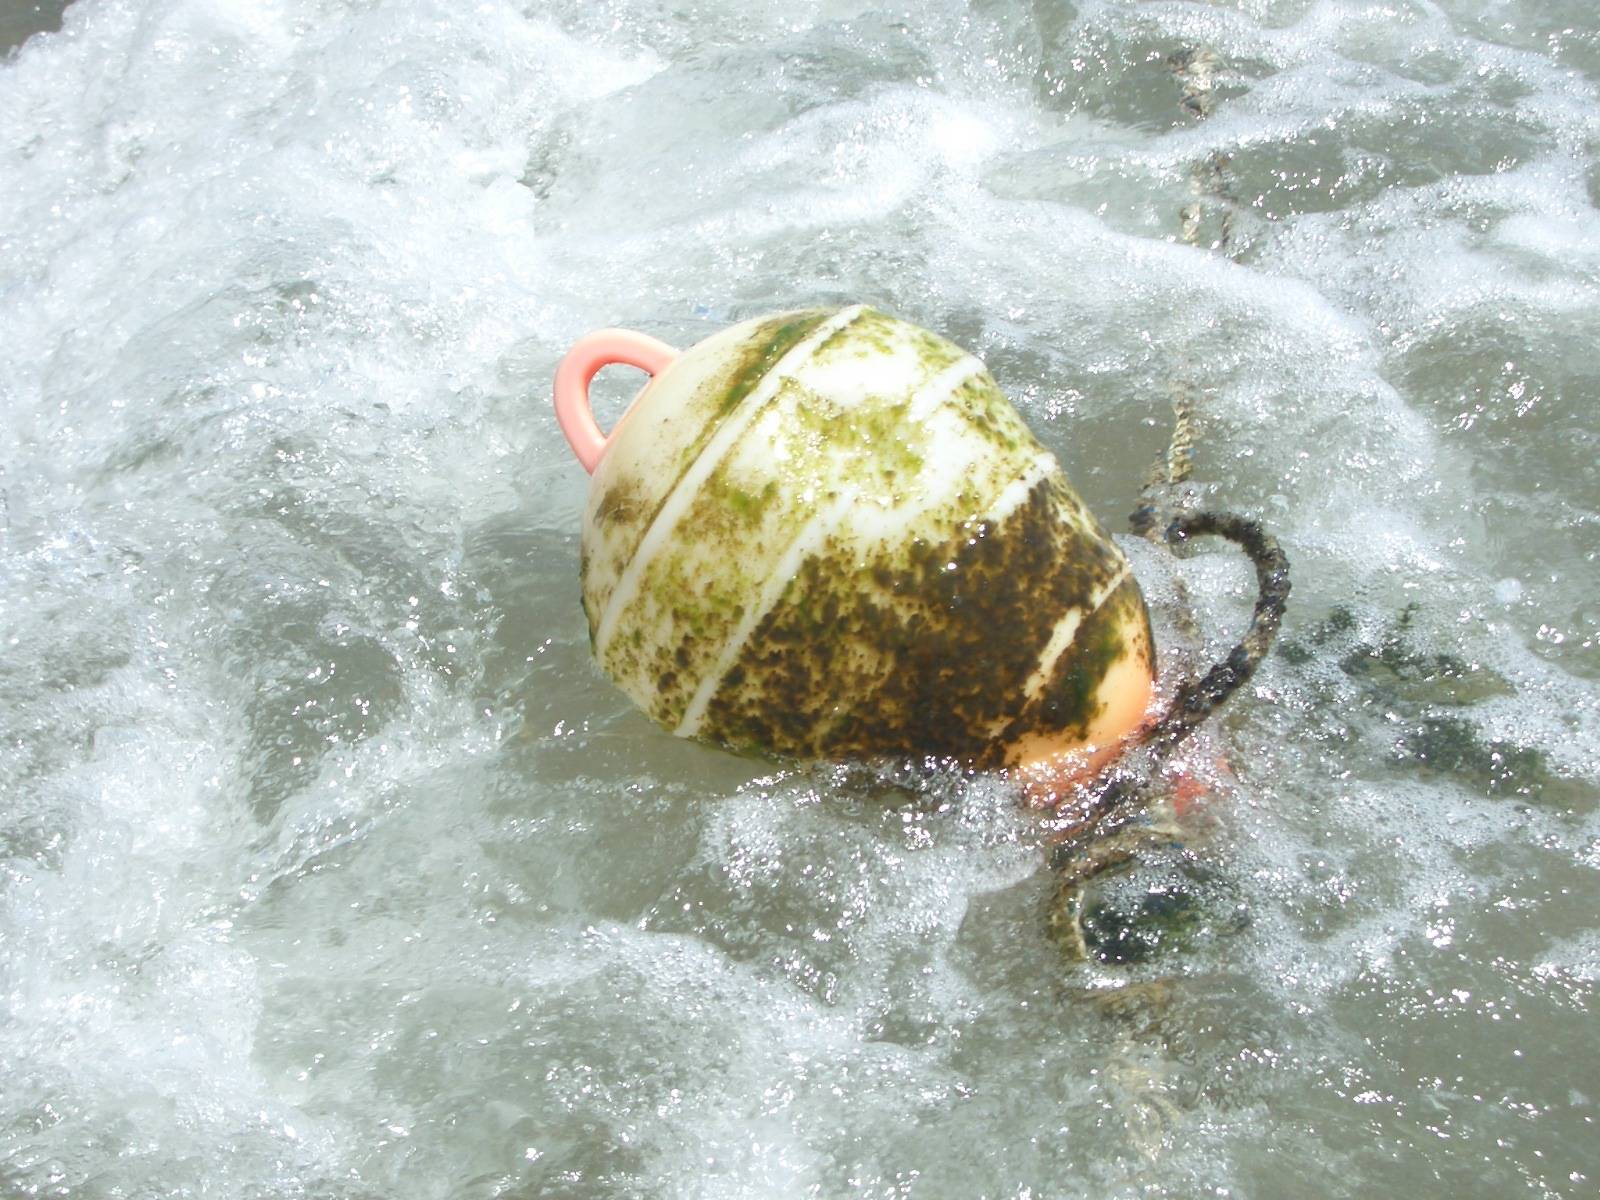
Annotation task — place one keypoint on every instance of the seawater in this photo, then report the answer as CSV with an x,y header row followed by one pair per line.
x,y
329,865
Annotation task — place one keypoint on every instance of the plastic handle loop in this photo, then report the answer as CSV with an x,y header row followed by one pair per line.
x,y
588,354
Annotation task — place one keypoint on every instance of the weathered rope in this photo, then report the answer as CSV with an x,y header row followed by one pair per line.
x,y
1197,70
1125,819
1166,511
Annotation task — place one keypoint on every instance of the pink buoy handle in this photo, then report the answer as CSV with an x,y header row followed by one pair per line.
x,y
588,354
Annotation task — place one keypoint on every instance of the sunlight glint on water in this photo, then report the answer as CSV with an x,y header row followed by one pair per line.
x,y
331,866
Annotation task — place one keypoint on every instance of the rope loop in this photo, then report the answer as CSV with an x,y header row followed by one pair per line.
x,y
1126,793
1199,698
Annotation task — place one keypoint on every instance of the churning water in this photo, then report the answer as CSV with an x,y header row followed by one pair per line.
x,y
332,868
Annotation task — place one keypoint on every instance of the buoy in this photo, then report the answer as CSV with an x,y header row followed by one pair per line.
x,y
828,534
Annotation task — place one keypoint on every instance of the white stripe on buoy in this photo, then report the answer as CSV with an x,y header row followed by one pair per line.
x,y
1014,493
1061,637
942,386
805,544
689,483
935,391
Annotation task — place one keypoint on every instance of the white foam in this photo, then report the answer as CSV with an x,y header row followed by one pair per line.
x,y
330,866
